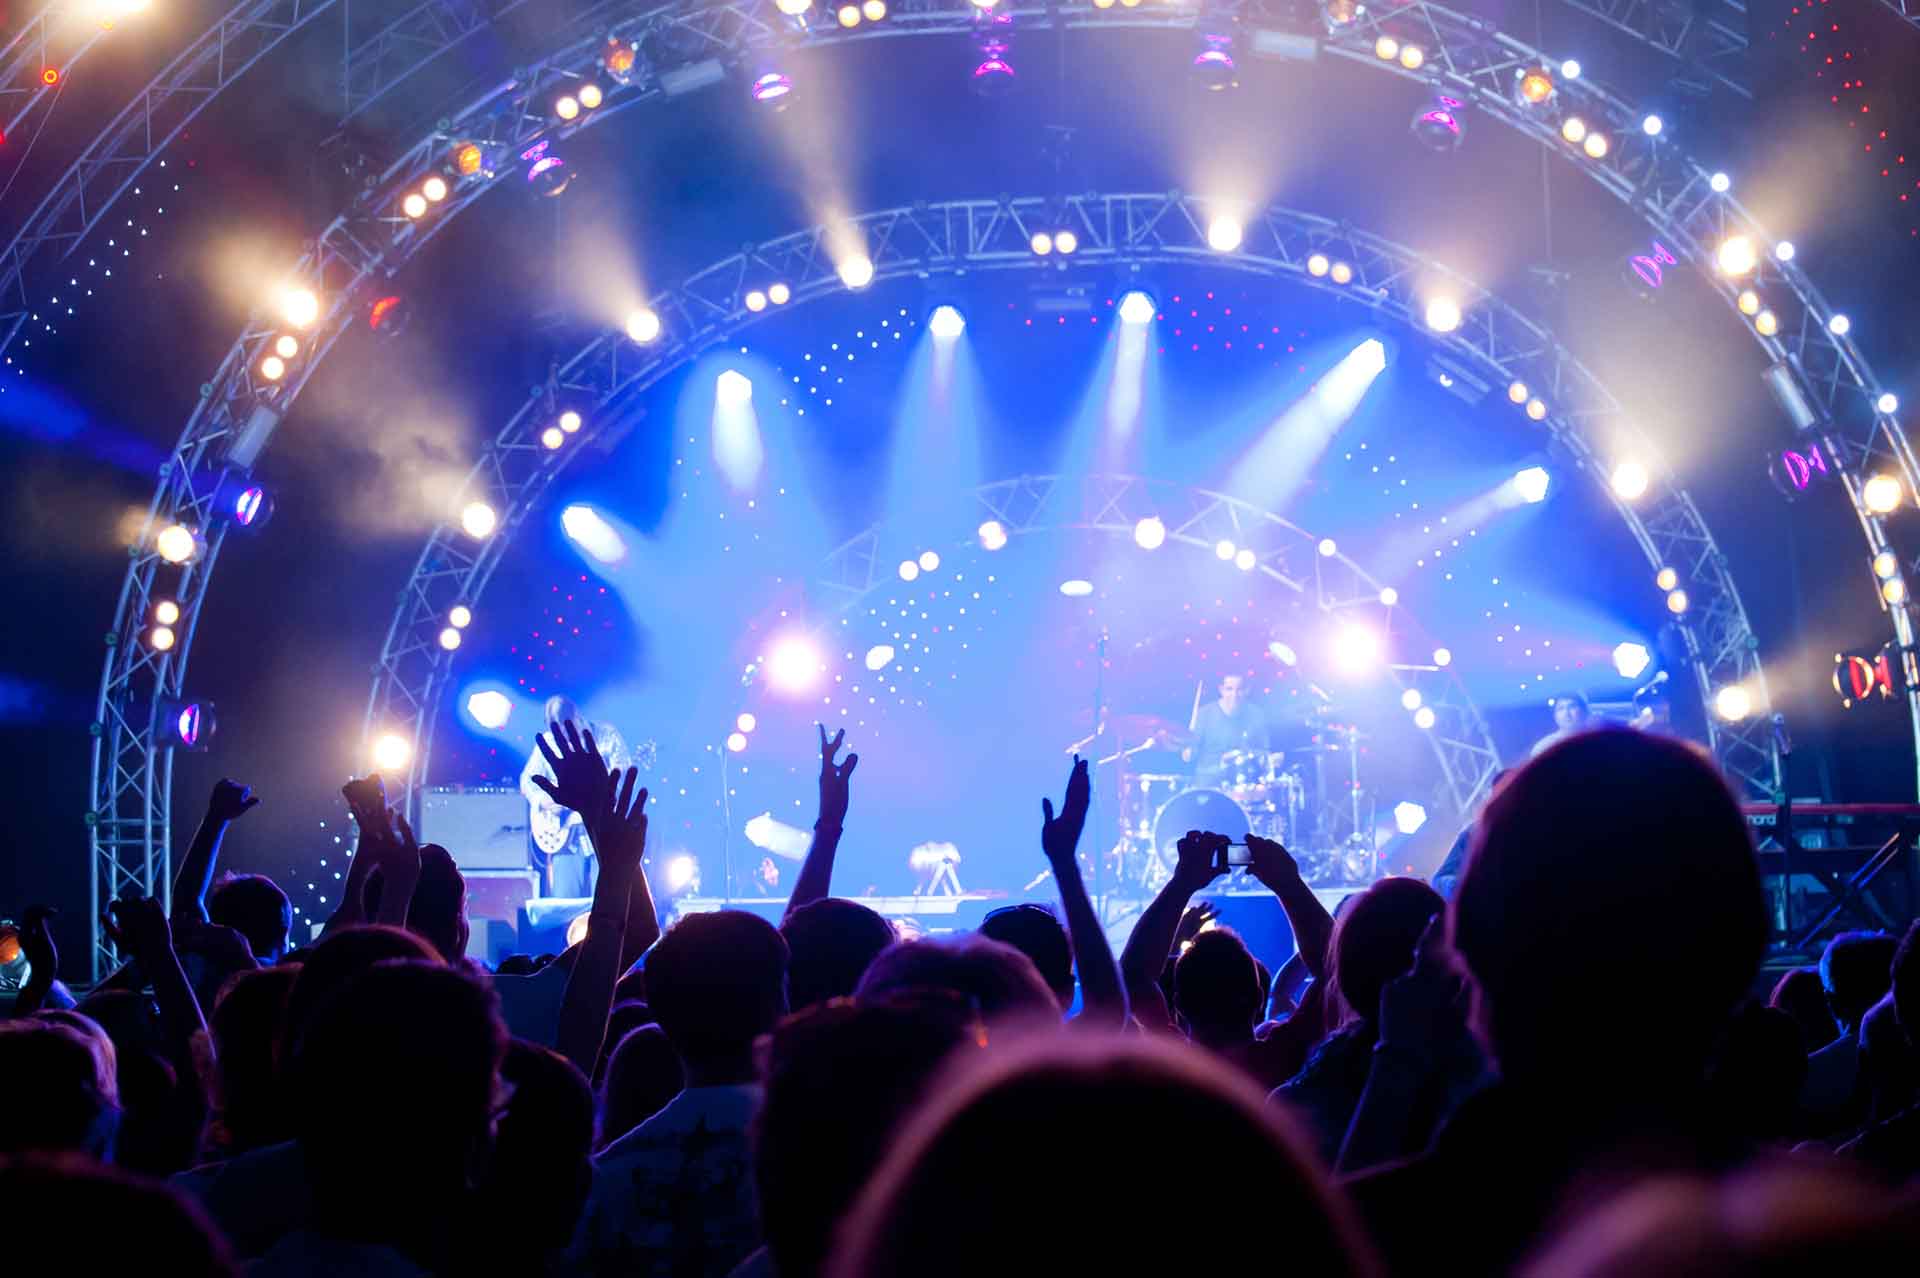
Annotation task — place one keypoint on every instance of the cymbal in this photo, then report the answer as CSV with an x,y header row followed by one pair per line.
x,y
1136,728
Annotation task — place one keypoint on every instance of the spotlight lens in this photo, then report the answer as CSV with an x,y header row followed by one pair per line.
x,y
1245,559
1517,392
175,544
1569,70
1386,48
478,519
1532,484
643,326
273,368
415,205
1076,588
794,664
746,722
1317,265
460,616
1066,241
449,638
1424,718
1653,126
1150,533
1721,183
1766,323
567,107
733,387
1882,494
946,323
1224,233
1041,243
857,271
1443,315
160,639
1885,564
1733,703
1573,129
1894,591
779,294
286,346
1839,326
552,437
929,561
1536,86
166,612
849,15
570,421
1224,549
1749,302
756,301
1341,273
1327,548
1737,255
1629,480
873,10
434,188
391,752
793,8
1597,146
300,307
1443,657
1784,250
1410,699
771,87
1667,579
1389,596
1888,402
1537,409
909,570
1413,57
879,657
992,535
1136,308
490,709
590,97
467,158
1631,659
1676,602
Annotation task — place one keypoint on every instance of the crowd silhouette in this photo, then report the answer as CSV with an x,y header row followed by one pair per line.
x,y
1566,1065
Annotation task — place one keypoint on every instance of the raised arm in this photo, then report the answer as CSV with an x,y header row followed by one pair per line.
x,y
1312,926
1199,860
816,872
1103,998
229,802
139,925
367,799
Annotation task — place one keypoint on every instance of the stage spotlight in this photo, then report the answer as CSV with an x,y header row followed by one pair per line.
x,y
388,315
1629,480
1666,579
468,159
946,323
1423,718
909,570
1533,87
1224,233
1677,602
1748,302
1443,657
415,205
166,612
1067,242
1244,559
490,709
1389,596
1894,591
1517,392
929,561
1438,127
299,307
879,657
286,346
460,616
478,520
793,8
590,95
1653,126
449,638
391,752
160,638
1737,256
1733,703
549,176
1766,323
1411,699
1076,588
1574,129
1885,564
1041,243
588,529
1537,409
1136,308
1443,315
779,294
185,725
1888,403
1341,14
176,544
552,437
1213,64
1570,70
1721,183
434,188
848,15
1532,484
1839,326
643,326
1630,659
1784,250
1150,533
1317,265
1409,817
566,106
1224,550
993,536
1283,653
771,89
1412,57
1327,548
1341,273
755,300
569,421
736,741
1596,146
873,10
250,505
856,272
1882,493
680,873
273,368
1356,650
794,664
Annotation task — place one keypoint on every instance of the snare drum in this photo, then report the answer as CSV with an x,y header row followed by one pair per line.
x,y
1213,811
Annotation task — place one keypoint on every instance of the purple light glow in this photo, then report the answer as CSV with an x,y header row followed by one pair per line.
x,y
1214,57
993,67
543,164
771,87
1650,267
188,725
1444,119
248,505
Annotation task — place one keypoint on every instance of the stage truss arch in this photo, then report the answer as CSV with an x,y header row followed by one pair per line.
x,y
1681,200
1199,519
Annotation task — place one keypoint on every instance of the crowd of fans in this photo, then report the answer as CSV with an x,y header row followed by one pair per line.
x,y
1560,1069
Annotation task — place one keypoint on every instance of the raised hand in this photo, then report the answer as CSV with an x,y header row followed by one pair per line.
x,y
620,834
580,778
1199,859
138,926
230,801
1060,835
224,947
1270,862
399,863
367,799
1194,921
833,778
36,940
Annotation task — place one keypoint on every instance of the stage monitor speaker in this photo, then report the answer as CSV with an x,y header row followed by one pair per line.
x,y
484,828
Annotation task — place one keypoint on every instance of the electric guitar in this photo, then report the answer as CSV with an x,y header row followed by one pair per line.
x,y
552,826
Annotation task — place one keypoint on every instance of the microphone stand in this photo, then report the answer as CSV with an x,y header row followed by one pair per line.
x,y
1093,796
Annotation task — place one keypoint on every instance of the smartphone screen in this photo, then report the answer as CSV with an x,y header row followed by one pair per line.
x,y
1239,854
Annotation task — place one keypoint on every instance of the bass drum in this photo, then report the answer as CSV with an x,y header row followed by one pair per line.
x,y
1213,811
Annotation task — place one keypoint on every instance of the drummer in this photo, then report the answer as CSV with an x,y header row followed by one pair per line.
x,y
1222,727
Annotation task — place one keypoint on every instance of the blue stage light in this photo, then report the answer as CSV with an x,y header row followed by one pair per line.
x,y
586,528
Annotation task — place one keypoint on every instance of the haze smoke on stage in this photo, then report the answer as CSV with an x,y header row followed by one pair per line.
x,y
737,449
1278,465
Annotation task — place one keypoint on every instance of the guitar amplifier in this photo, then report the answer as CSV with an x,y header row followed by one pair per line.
x,y
484,828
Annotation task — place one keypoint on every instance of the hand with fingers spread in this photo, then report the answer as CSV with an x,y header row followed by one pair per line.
x,y
1060,835
620,830
230,801
1199,859
580,778
834,777
1195,921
